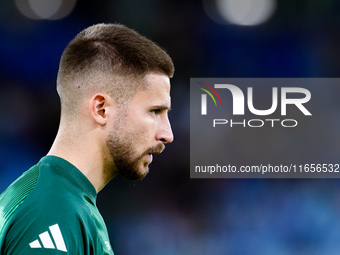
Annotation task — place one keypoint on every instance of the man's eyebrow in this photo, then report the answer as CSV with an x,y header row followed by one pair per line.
x,y
162,107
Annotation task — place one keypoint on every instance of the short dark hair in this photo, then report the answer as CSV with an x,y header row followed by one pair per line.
x,y
111,49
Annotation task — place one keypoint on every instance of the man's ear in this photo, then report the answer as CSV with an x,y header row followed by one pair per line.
x,y
98,107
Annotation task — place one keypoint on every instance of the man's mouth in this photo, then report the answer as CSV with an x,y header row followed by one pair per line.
x,y
150,157
154,150
157,149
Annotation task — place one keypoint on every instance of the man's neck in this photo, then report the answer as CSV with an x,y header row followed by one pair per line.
x,y
87,156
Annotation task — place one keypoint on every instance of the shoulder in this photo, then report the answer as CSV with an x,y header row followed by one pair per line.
x,y
54,228
57,215
52,218
46,225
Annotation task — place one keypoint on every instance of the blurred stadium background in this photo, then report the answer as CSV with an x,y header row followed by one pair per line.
x,y
169,213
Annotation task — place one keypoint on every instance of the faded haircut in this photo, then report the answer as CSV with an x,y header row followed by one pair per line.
x,y
109,58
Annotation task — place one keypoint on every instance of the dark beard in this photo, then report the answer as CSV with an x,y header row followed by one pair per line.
x,y
123,155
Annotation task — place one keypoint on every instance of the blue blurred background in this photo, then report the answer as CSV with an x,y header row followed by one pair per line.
x,y
169,213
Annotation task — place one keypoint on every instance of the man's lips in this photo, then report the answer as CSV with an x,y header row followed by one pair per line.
x,y
150,157
154,150
157,149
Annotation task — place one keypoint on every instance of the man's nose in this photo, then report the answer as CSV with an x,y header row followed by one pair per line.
x,y
165,133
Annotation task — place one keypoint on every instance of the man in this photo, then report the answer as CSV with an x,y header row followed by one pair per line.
x,y
114,90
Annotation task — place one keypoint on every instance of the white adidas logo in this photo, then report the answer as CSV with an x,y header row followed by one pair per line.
x,y
46,240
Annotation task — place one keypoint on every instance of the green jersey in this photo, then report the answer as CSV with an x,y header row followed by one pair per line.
x,y
51,209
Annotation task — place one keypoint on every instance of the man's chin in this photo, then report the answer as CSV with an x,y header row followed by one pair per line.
x,y
134,174
142,173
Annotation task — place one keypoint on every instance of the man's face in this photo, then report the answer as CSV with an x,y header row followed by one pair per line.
x,y
141,128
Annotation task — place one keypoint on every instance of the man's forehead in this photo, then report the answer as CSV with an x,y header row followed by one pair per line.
x,y
156,91
157,80
159,85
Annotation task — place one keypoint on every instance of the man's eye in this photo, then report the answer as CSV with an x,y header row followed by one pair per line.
x,y
154,112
